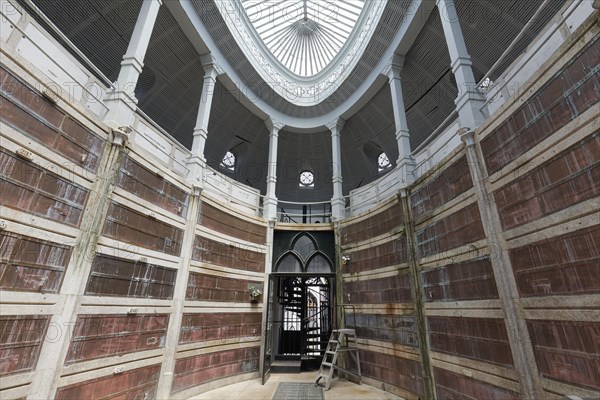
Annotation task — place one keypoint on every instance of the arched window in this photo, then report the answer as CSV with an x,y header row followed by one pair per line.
x,y
383,162
228,161
304,257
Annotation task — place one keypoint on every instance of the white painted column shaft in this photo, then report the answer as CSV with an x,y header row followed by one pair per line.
x,y
121,101
270,205
470,103
337,201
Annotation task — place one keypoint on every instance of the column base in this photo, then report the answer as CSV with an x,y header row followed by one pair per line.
x,y
270,209
405,168
338,207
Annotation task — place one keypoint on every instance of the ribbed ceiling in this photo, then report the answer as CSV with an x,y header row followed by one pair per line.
x,y
304,36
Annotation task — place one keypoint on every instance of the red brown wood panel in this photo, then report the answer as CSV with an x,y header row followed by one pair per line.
x,y
567,95
28,111
396,371
21,338
567,179
393,252
563,265
458,229
224,222
453,386
203,368
31,264
396,329
105,335
140,181
483,339
130,226
27,187
567,351
238,256
135,384
111,276
219,326
204,287
445,186
469,280
377,224
392,289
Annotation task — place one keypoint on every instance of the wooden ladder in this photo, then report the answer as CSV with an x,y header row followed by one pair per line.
x,y
338,342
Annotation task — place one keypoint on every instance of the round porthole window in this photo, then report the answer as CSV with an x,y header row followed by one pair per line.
x,y
307,179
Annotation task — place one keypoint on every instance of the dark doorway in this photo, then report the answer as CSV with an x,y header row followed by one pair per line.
x,y
302,295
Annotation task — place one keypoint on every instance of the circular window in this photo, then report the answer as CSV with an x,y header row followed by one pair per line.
x,y
228,161
307,179
383,162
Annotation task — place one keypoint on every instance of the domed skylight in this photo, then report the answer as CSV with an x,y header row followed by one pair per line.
x,y
304,35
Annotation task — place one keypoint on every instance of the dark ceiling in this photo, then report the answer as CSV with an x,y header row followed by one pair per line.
x,y
171,83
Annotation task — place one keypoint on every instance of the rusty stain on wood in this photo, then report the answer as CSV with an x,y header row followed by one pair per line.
x,y
238,256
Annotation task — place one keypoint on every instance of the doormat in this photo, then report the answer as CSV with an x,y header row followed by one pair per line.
x,y
298,391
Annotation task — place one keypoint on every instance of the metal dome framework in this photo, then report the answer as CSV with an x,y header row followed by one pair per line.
x,y
305,36
303,49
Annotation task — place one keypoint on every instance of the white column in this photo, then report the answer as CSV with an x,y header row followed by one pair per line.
x,y
121,101
270,205
197,162
337,201
470,103
405,165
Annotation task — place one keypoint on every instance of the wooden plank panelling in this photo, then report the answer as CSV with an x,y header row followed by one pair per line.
x,y
111,276
229,224
377,224
236,256
392,289
219,326
567,95
204,287
155,189
567,351
458,229
483,339
196,370
138,383
21,338
28,111
448,184
469,280
393,252
31,264
396,329
453,386
130,226
103,335
32,189
567,179
562,265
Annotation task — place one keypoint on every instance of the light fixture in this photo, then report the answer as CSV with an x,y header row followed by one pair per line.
x,y
345,259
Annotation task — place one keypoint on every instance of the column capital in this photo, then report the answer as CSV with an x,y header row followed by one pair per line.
x,y
273,126
467,136
212,69
394,68
336,126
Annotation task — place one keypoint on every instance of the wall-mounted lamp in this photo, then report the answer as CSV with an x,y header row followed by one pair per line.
x,y
345,259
